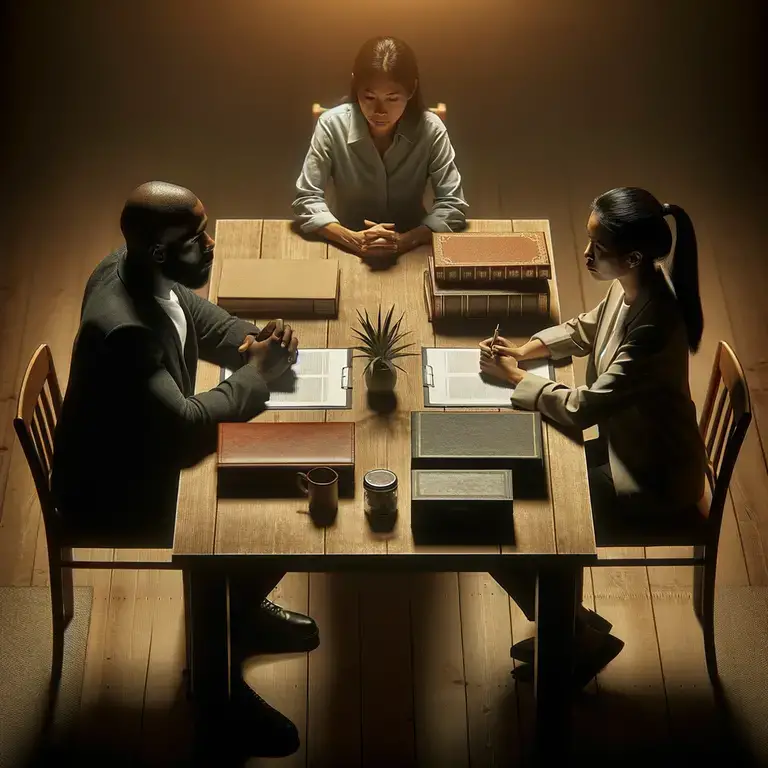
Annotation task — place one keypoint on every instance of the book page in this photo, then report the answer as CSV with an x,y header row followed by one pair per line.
x,y
314,381
455,379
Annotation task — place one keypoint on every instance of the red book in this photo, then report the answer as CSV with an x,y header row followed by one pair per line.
x,y
490,257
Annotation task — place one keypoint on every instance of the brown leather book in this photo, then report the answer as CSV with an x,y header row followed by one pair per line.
x,y
443,303
273,452
488,257
280,287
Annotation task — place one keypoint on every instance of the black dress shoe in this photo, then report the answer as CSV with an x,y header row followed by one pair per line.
x,y
592,619
594,651
255,729
272,629
524,650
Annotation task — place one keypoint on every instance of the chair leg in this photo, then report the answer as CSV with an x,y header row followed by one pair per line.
x,y
705,581
59,623
67,595
698,585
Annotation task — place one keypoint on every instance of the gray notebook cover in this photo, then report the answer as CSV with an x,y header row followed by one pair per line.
x,y
481,437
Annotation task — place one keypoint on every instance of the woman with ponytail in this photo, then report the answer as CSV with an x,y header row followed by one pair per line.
x,y
649,458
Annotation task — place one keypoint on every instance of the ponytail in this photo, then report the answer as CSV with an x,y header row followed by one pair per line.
x,y
684,273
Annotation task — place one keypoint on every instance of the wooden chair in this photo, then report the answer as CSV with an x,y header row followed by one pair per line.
x,y
439,110
724,421
37,413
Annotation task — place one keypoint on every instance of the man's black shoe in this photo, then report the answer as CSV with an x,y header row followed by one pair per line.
x,y
272,629
255,729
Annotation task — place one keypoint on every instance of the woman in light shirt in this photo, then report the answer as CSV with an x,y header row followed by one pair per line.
x,y
649,459
380,149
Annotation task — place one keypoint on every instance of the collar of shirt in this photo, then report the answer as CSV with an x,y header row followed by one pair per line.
x,y
358,126
657,287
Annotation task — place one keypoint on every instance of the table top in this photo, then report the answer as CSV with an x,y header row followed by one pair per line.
x,y
279,529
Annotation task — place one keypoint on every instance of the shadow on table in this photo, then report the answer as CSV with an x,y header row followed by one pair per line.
x,y
482,328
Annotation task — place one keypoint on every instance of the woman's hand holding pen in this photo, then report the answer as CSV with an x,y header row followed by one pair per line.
x,y
501,359
502,348
505,348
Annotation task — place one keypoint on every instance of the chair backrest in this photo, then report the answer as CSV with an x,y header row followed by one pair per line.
x,y
724,421
440,110
37,413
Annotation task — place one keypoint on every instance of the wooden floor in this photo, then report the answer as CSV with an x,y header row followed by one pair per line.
x,y
412,670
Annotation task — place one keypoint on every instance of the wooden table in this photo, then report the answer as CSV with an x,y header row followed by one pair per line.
x,y
217,536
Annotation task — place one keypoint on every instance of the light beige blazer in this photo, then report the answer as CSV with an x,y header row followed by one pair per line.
x,y
637,393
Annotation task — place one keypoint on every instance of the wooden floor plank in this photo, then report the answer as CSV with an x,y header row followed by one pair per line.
x,y
631,687
694,721
125,659
92,718
439,684
166,722
15,293
486,635
387,698
334,717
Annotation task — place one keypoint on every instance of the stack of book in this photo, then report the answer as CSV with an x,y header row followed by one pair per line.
x,y
487,274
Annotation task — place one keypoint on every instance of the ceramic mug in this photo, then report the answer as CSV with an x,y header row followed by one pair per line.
x,y
321,485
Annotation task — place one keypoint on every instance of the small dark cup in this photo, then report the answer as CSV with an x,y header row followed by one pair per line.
x,y
321,485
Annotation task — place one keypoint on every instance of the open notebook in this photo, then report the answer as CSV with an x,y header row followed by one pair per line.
x,y
452,377
320,378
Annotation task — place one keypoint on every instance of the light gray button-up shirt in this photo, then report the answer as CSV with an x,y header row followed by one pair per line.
x,y
381,189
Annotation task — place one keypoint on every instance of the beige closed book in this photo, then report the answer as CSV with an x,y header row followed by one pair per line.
x,y
280,287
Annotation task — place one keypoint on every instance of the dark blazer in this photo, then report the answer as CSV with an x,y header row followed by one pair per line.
x,y
130,420
637,392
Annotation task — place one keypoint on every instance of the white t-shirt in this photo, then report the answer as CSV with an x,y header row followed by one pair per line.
x,y
173,309
616,330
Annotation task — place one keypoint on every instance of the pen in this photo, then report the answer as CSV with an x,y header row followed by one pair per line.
x,y
493,340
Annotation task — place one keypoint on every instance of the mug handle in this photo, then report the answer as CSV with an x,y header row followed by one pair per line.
x,y
303,482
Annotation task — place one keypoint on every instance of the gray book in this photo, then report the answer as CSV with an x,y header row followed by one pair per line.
x,y
462,505
455,440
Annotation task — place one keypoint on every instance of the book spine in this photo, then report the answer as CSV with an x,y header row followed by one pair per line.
x,y
263,307
511,273
511,305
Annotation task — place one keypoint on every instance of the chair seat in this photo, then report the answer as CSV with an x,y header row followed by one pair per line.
x,y
684,527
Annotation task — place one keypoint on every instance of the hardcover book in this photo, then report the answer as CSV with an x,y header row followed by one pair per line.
x,y
443,303
462,504
280,287
267,455
467,440
487,257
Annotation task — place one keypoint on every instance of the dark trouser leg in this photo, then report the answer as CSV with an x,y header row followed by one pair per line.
x,y
519,582
247,591
556,596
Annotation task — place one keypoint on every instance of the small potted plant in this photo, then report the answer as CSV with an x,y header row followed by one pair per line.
x,y
381,346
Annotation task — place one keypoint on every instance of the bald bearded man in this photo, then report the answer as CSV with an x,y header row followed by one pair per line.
x,y
131,420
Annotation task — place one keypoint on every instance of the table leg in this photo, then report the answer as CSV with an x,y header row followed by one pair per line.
x,y
556,597
208,638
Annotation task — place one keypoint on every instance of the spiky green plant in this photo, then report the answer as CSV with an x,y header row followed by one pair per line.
x,y
379,344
